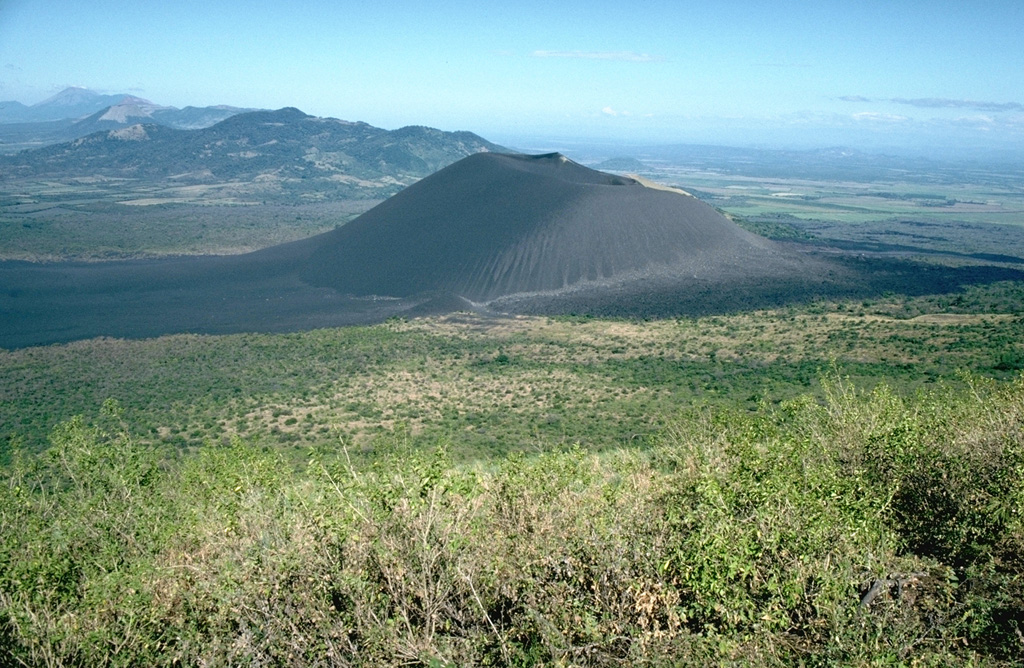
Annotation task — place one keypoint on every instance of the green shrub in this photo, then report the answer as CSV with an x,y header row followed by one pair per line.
x,y
865,528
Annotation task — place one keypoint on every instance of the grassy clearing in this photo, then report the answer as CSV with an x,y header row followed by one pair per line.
x,y
867,527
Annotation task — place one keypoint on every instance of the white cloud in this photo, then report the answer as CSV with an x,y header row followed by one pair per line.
x,y
608,111
941,103
947,103
875,117
627,56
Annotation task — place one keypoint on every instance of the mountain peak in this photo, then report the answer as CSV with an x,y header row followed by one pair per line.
x,y
286,115
128,108
74,102
71,97
138,101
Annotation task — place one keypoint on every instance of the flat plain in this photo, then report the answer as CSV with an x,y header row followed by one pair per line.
x,y
968,214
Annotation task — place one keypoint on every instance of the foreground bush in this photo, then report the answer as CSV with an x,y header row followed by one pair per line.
x,y
870,528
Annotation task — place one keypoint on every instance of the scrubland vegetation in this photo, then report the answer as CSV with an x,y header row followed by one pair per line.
x,y
495,385
837,483
869,527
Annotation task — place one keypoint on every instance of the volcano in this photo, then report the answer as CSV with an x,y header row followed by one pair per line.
x,y
492,232
497,226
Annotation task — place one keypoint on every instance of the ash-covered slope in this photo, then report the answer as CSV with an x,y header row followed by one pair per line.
x,y
495,225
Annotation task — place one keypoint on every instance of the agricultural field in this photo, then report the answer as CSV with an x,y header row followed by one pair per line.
x,y
967,216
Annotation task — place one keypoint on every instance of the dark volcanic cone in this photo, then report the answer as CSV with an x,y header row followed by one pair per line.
x,y
521,234
494,225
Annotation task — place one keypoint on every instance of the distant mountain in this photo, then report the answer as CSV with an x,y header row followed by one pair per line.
x,y
70,103
127,111
135,110
283,151
622,164
12,111
77,112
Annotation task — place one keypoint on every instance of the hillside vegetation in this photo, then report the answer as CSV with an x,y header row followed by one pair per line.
x,y
839,483
282,155
866,528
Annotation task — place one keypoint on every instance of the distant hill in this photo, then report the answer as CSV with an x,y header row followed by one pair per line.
x,y
70,103
12,111
622,164
284,151
81,104
134,110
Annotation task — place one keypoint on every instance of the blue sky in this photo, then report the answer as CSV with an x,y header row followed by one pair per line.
x,y
865,74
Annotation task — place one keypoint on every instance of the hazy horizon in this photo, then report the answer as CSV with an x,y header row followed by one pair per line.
x,y
932,78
